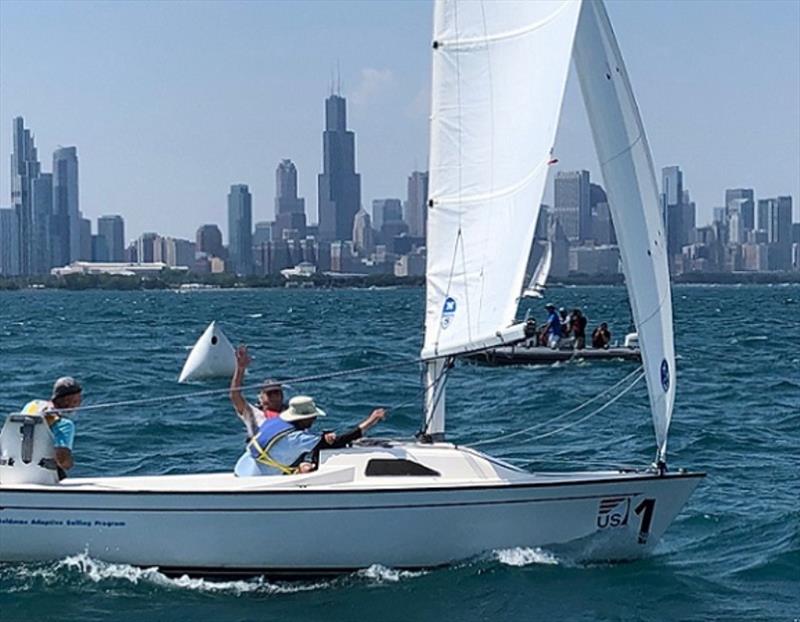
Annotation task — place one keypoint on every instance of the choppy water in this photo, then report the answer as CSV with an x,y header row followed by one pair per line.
x,y
733,553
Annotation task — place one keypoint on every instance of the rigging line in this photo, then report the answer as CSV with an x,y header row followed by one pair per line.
x,y
593,413
298,380
565,414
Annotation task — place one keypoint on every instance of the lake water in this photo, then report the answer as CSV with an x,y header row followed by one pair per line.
x,y
732,554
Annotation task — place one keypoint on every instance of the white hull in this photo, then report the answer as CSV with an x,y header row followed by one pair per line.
x,y
337,519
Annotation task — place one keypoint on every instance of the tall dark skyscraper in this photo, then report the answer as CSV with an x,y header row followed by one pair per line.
x,y
112,230
25,168
571,204
416,206
672,210
66,213
339,186
290,211
240,229
208,240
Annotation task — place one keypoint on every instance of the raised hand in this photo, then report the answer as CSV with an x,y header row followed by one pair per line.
x,y
243,359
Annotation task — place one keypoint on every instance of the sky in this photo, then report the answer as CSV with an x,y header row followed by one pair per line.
x,y
169,102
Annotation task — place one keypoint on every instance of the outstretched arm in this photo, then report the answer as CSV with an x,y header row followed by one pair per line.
x,y
243,360
331,440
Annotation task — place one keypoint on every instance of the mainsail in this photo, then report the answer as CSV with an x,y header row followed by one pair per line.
x,y
633,200
499,73
538,280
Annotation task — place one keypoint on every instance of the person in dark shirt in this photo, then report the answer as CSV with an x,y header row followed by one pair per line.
x,y
601,337
579,329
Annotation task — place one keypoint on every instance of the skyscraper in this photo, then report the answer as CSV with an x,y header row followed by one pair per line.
x,y
672,210
208,240
240,229
290,211
112,230
25,168
363,240
743,201
339,186
66,213
416,207
9,242
42,221
571,205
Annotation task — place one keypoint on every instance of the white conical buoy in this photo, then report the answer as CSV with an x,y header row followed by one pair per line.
x,y
212,356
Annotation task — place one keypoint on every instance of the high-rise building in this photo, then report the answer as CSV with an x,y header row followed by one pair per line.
x,y
86,240
66,213
743,201
42,221
240,229
338,186
775,217
416,207
363,240
25,168
290,211
672,207
262,232
208,240
100,248
148,248
112,230
571,204
9,242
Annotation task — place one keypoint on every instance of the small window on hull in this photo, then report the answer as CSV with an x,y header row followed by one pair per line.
x,y
380,466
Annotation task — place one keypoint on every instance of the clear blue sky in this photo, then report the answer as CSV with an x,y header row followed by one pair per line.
x,y
171,102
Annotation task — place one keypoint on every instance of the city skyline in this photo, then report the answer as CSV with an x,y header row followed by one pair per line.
x,y
162,146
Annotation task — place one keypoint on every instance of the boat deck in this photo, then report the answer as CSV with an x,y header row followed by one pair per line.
x,y
540,355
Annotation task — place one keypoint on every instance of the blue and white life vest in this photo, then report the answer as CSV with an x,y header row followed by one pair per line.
x,y
270,432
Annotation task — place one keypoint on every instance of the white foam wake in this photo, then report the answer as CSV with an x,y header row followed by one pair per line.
x,y
382,574
98,571
523,556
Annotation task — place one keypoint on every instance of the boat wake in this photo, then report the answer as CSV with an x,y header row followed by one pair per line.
x,y
523,556
29,576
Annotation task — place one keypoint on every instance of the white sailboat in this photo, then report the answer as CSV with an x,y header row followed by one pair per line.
x,y
536,285
499,72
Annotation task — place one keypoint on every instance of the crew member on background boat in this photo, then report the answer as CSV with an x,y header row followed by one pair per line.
x,y
601,337
270,399
579,329
566,325
66,396
553,327
285,445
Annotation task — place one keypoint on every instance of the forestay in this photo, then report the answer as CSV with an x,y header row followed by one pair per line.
x,y
633,199
499,73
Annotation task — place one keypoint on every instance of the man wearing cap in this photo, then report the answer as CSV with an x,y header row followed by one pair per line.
x,y
270,403
285,446
66,397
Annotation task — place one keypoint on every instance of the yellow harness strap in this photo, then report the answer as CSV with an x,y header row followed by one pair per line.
x,y
264,457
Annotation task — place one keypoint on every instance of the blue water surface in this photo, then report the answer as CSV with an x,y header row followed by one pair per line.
x,y
732,554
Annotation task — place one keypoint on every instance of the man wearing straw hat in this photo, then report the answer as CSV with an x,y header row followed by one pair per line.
x,y
285,445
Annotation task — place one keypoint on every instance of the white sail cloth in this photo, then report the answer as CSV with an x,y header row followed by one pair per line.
x,y
499,73
633,200
540,274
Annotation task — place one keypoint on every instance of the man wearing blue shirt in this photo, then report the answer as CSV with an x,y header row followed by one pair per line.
x,y
285,445
553,327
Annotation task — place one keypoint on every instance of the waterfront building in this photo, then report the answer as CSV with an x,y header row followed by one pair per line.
x,y
66,213
290,210
571,204
208,240
363,240
112,229
9,242
412,264
148,247
41,224
742,201
594,260
672,208
240,229
338,186
85,228
416,206
177,252
99,249
25,168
